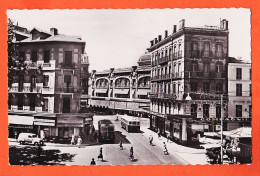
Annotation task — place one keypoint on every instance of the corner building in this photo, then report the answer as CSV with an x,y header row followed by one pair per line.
x,y
189,73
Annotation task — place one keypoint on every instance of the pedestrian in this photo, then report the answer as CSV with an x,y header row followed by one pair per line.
x,y
165,151
151,140
168,137
39,151
79,142
72,142
100,156
159,134
93,162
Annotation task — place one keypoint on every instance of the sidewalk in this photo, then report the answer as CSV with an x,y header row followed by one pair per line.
x,y
57,144
189,155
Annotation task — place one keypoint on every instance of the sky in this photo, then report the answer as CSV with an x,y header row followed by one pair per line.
x,y
117,38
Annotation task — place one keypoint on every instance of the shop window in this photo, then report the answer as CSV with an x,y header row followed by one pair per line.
x,y
238,110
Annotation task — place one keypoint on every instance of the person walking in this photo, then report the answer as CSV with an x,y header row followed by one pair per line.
x,y
79,142
100,156
165,150
159,134
93,162
72,142
168,137
151,140
131,153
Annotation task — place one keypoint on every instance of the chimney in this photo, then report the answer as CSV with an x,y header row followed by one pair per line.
x,y
159,38
224,24
174,28
54,31
182,24
166,34
155,40
151,43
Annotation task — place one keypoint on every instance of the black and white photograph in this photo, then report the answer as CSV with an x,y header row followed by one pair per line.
x,y
129,87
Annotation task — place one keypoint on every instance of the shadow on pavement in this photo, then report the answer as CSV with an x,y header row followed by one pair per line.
x,y
37,156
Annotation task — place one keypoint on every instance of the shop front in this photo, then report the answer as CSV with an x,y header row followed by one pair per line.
x,y
44,126
18,124
69,125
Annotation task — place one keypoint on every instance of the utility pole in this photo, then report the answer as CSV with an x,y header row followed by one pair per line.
x,y
221,147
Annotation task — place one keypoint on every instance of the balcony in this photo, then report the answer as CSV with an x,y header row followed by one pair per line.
x,y
122,86
219,54
194,54
206,54
13,89
152,95
194,74
67,90
163,60
179,54
48,66
174,56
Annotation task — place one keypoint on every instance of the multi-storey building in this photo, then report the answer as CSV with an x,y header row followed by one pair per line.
x,y
239,92
189,73
122,90
53,81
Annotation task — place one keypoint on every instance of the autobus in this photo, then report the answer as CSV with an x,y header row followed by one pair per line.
x,y
130,123
106,130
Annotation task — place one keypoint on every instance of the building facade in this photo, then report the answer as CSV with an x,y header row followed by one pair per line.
x,y
54,78
239,91
189,74
45,94
122,90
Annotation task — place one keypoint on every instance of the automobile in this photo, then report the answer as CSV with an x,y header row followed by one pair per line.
x,y
30,138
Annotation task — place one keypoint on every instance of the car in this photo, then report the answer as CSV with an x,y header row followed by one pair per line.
x,y
30,138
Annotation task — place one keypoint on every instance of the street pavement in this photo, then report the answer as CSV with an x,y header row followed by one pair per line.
x,y
144,153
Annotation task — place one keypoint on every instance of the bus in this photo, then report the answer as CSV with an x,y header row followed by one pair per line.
x,y
130,123
106,130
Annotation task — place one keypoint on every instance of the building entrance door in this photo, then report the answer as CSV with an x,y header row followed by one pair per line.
x,y
66,105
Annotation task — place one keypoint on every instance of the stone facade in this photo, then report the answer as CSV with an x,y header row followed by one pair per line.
x,y
122,89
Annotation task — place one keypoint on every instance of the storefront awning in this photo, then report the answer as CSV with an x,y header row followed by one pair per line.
x,y
101,90
143,91
44,122
121,91
20,120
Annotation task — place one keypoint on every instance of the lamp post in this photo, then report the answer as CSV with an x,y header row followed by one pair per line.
x,y
221,147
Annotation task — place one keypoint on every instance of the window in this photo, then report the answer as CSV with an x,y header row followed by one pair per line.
x,y
67,78
206,111
33,81
239,90
169,88
46,56
206,48
250,73
218,110
68,58
174,88
170,106
194,66
250,110
194,52
206,87
239,73
206,67
34,56
250,90
193,110
219,68
219,88
193,87
238,110
45,80
219,50
170,70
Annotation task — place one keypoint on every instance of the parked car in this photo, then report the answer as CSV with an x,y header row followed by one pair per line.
x,y
30,138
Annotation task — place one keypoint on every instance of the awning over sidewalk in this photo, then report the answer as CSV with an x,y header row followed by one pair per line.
x,y
143,91
101,90
20,120
44,122
121,91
